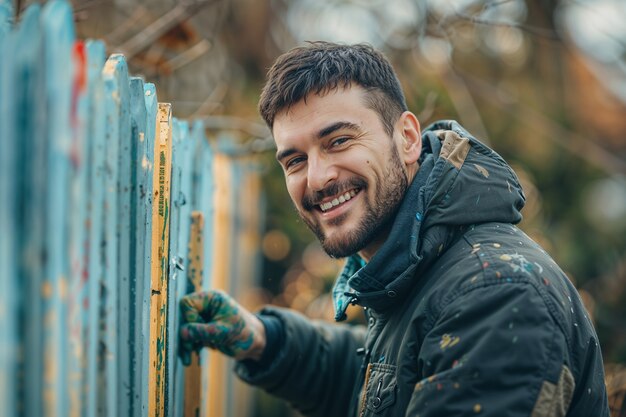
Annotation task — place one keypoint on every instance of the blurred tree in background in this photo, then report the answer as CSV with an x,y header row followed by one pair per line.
x,y
542,82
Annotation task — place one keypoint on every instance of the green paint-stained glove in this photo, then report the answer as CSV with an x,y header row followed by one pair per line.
x,y
214,319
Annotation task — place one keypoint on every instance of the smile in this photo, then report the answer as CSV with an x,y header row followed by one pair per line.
x,y
338,201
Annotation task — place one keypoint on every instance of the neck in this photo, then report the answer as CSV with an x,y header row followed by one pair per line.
x,y
370,250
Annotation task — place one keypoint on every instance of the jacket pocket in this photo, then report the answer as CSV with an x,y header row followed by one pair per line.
x,y
380,390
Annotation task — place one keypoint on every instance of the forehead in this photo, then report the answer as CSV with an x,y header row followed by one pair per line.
x,y
315,112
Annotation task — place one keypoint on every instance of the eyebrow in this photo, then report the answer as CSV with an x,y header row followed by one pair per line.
x,y
335,127
323,132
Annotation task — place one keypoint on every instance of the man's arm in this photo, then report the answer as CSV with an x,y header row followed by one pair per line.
x,y
314,365
317,365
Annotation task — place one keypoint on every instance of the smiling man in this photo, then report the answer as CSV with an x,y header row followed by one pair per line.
x,y
466,314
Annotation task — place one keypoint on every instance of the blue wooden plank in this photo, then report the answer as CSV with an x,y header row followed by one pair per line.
x,y
186,152
176,262
118,92
78,203
115,74
9,294
151,103
95,214
30,113
192,382
57,23
204,189
142,156
179,237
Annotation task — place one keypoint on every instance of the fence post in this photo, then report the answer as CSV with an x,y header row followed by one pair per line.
x,y
95,215
9,290
160,252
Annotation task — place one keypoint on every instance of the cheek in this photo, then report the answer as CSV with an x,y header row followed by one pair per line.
x,y
295,190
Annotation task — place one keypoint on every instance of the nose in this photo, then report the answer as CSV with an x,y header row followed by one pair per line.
x,y
321,172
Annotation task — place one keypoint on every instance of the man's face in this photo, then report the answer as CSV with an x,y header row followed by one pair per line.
x,y
344,173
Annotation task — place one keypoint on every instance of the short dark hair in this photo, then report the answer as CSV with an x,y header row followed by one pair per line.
x,y
320,67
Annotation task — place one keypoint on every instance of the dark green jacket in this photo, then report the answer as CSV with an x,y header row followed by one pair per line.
x,y
467,316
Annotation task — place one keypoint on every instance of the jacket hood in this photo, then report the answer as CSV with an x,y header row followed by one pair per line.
x,y
460,182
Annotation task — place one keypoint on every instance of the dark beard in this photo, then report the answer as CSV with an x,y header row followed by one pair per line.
x,y
378,216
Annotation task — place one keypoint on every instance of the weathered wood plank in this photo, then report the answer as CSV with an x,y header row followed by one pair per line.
x,y
30,114
195,265
142,157
115,75
175,265
9,241
148,165
179,237
95,215
77,312
160,249
203,200
57,23
119,89
220,272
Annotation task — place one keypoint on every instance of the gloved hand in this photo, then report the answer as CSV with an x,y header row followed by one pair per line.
x,y
214,319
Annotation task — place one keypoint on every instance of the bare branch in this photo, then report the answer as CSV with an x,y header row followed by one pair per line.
x,y
146,37
255,129
573,142
212,102
544,33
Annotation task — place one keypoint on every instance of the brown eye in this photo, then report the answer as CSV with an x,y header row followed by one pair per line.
x,y
339,141
294,162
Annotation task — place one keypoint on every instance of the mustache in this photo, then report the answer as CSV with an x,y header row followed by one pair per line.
x,y
312,199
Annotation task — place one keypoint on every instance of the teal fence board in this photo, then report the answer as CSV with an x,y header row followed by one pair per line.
x,y
77,311
8,217
58,34
142,156
95,225
151,105
78,136
115,75
31,199
180,222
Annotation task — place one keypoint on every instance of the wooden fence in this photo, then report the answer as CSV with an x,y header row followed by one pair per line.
x,y
110,210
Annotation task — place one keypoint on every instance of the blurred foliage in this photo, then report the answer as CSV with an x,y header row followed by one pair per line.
x,y
542,82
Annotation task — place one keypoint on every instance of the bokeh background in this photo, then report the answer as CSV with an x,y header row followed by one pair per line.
x,y
542,82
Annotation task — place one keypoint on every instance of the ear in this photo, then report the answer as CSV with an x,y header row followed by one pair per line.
x,y
409,128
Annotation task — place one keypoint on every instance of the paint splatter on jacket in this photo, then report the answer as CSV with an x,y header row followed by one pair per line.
x,y
467,316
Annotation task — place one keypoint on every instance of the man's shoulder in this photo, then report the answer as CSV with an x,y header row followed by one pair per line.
x,y
495,255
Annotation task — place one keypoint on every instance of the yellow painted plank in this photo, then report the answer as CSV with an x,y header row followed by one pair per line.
x,y
222,229
159,266
193,373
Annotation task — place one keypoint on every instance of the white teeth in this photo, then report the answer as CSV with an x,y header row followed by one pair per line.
x,y
335,202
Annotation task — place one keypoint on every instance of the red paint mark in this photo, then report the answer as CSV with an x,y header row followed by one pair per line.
x,y
79,58
485,264
439,386
545,281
